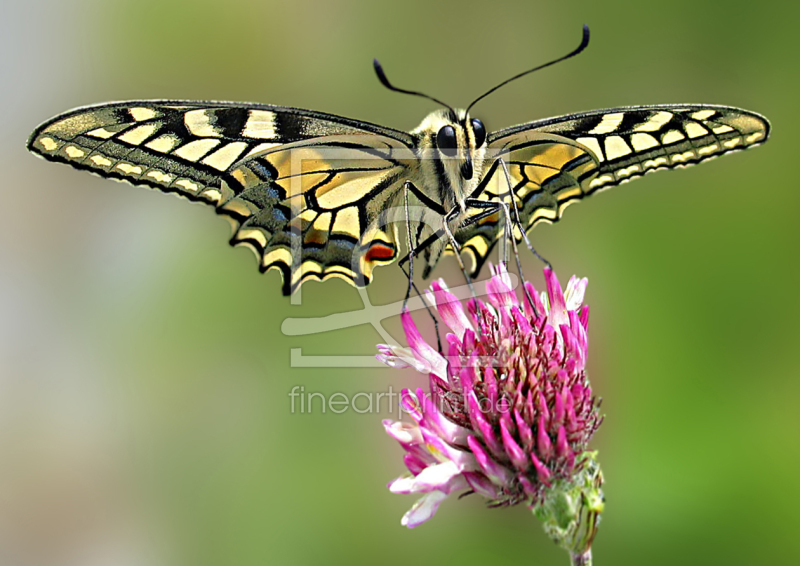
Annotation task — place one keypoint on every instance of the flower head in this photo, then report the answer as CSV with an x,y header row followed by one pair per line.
x,y
510,411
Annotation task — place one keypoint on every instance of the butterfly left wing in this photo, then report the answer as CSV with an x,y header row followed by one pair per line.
x,y
555,162
319,209
236,158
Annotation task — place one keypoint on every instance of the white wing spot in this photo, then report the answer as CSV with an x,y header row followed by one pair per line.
x,y
100,160
755,136
130,169
262,147
672,136
708,149
703,114
137,135
199,123
194,150
161,177
601,180
49,144
211,195
164,143
655,122
695,130
628,171
260,125
188,185
594,146
616,147
253,234
609,123
732,142
74,152
101,133
346,222
140,114
643,142
656,163
685,156
722,129
224,157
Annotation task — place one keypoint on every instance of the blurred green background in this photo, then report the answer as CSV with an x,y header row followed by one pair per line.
x,y
144,409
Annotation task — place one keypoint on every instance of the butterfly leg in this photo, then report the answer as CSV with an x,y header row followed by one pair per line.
x,y
522,229
509,223
500,163
493,207
447,218
412,251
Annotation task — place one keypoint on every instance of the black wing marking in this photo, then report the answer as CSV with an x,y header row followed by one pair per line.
x,y
555,162
224,154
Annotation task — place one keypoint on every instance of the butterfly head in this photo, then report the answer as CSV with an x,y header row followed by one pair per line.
x,y
452,147
454,142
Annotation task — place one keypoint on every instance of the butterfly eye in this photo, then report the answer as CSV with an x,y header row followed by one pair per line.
x,y
446,140
480,132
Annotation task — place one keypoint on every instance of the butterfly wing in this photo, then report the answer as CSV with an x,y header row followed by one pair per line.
x,y
555,162
303,189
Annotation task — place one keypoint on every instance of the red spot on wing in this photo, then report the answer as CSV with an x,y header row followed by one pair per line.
x,y
379,252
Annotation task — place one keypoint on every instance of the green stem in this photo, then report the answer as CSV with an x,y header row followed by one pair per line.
x,y
584,559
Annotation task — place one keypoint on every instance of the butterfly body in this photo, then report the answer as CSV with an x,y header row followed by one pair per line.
x,y
456,172
318,196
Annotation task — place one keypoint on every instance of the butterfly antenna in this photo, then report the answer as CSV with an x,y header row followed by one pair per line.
x,y
385,82
581,47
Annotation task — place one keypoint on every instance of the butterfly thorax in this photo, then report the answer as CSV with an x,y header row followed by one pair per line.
x,y
451,157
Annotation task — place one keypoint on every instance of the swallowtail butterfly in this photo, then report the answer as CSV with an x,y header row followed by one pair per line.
x,y
318,196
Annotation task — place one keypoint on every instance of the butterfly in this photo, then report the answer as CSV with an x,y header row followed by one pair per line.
x,y
318,196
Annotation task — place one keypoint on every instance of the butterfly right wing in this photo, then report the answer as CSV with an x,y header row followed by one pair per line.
x,y
235,157
556,162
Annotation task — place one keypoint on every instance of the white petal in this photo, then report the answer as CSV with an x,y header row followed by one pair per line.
x,y
573,295
423,509
398,357
435,477
406,433
403,484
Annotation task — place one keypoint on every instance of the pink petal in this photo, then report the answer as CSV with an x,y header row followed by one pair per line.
x,y
414,463
585,317
562,447
501,293
558,307
410,405
481,485
527,486
424,352
480,424
500,475
537,301
541,470
525,433
450,309
543,443
442,451
441,425
513,450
